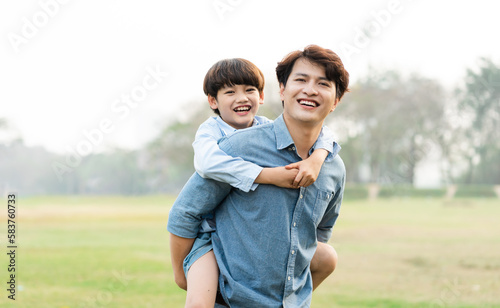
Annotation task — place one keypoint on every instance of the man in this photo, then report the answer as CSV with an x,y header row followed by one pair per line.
x,y
265,239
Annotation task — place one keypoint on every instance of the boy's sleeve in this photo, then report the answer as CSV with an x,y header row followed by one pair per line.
x,y
198,197
326,141
213,163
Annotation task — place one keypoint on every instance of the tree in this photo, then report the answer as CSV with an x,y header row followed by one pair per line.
x,y
170,155
389,122
479,106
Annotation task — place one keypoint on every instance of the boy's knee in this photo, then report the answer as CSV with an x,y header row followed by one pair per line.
x,y
327,258
196,304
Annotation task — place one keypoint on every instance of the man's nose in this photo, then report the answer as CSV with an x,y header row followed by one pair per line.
x,y
310,89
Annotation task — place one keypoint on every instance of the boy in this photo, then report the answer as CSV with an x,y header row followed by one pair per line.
x,y
234,88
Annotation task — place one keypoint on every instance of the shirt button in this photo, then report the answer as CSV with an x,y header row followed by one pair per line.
x,y
294,224
289,277
293,252
301,196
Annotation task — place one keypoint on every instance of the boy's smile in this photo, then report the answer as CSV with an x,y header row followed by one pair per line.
x,y
237,104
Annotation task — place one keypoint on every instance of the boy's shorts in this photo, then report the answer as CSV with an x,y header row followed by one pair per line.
x,y
201,245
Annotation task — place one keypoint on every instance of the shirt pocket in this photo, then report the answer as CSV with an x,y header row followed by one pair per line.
x,y
320,204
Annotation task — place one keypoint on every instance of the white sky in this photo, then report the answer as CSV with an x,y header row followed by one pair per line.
x,y
63,67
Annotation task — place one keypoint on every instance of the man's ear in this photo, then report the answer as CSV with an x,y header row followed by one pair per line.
x,y
212,101
335,104
282,88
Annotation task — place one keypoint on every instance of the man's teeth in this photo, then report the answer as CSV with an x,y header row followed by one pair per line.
x,y
308,103
242,108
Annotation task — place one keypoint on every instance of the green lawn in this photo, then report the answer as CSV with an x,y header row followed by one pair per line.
x,y
77,252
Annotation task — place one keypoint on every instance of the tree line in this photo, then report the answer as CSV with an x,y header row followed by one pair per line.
x,y
387,125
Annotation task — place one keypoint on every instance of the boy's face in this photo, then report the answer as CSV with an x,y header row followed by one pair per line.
x,y
308,96
237,104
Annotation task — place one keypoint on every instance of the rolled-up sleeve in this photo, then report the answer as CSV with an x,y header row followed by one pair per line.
x,y
198,197
324,230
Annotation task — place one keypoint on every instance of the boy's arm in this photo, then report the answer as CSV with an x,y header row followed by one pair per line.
x,y
278,176
211,162
308,169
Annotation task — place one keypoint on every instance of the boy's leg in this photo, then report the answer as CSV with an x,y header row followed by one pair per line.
x,y
202,281
323,263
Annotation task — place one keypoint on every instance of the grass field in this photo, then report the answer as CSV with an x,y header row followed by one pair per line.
x,y
77,252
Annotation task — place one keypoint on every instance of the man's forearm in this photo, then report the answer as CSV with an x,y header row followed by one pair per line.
x,y
179,249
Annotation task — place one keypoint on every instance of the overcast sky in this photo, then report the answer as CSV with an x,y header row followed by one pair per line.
x,y
70,68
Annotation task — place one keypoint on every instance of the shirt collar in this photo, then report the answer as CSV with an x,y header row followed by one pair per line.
x,y
283,137
227,129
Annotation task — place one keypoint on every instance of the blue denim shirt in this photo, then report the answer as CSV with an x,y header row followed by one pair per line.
x,y
265,239
213,163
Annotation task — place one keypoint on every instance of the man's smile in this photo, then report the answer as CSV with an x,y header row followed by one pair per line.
x,y
308,103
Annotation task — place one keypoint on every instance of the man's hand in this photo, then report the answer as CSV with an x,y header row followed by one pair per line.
x,y
179,249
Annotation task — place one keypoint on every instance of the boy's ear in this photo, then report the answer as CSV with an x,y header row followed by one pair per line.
x,y
261,100
212,101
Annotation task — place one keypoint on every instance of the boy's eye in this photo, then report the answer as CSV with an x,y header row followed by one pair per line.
x,y
229,92
251,90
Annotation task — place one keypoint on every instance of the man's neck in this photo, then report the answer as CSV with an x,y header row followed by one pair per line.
x,y
304,136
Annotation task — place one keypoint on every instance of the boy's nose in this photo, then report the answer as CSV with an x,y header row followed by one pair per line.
x,y
242,98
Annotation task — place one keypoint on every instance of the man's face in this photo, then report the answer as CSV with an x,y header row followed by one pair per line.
x,y
237,104
308,96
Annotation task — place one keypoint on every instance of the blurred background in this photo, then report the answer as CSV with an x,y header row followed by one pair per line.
x,y
105,97
100,102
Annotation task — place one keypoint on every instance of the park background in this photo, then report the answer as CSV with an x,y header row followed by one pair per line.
x,y
100,101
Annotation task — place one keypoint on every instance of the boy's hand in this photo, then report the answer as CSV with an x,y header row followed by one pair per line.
x,y
278,176
307,173
309,168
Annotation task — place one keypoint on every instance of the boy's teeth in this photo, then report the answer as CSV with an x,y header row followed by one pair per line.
x,y
243,108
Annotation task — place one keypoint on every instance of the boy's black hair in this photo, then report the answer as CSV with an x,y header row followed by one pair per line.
x,y
230,72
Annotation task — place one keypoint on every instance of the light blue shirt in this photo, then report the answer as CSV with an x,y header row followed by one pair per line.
x,y
265,239
213,163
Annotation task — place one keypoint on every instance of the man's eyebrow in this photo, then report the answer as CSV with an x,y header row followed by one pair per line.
x,y
306,75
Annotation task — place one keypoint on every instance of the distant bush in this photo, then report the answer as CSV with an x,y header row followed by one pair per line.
x,y
361,191
355,191
408,191
475,191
